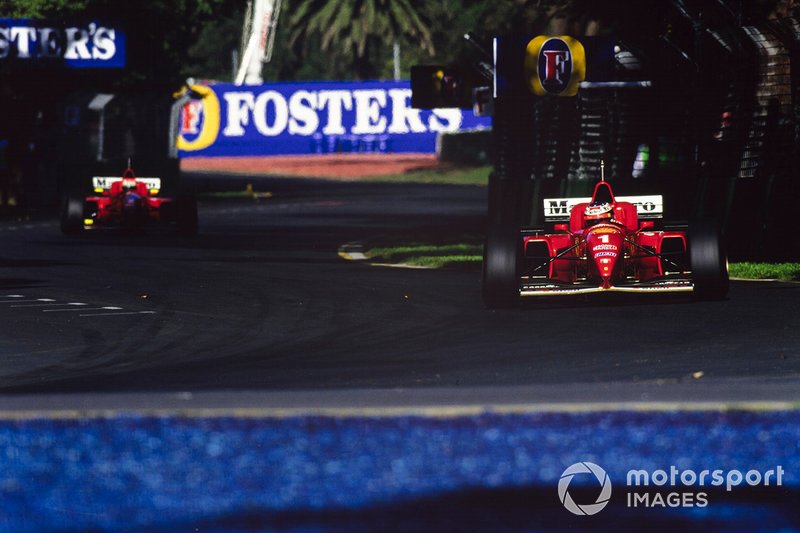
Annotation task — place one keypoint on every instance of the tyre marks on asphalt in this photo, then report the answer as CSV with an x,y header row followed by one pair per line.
x,y
122,314
28,226
51,305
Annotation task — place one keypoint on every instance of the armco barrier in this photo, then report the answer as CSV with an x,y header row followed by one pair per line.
x,y
313,118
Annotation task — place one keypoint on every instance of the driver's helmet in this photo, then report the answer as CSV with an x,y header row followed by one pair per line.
x,y
597,212
128,184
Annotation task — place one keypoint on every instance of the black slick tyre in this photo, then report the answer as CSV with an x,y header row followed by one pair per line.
x,y
708,261
501,267
71,215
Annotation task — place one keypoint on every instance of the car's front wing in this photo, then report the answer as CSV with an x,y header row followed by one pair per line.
x,y
549,288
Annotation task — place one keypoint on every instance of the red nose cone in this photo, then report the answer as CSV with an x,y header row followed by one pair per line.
x,y
604,246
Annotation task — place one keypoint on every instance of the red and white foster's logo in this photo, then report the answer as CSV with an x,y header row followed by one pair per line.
x,y
191,117
555,65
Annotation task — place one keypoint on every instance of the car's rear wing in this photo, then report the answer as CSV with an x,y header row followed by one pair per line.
x,y
647,207
103,183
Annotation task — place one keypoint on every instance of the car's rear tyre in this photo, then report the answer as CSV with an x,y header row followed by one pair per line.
x,y
186,215
709,261
71,215
501,258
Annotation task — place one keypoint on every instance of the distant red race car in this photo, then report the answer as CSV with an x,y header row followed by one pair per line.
x,y
128,202
603,244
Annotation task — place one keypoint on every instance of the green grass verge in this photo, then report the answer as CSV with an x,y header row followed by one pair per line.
x,y
781,271
445,175
465,254
227,194
428,255
247,192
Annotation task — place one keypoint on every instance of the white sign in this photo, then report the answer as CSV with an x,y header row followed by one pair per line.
x,y
104,182
93,45
651,206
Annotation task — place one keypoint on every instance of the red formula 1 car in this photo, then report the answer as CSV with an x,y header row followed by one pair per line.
x,y
128,202
603,244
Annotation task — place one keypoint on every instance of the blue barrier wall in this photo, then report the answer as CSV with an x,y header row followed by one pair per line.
x,y
313,118
491,472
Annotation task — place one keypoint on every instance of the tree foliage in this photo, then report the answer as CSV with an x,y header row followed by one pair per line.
x,y
163,35
40,8
360,29
170,40
354,37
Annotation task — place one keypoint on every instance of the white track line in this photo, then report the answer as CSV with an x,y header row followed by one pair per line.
x,y
42,305
36,301
71,310
426,411
37,305
78,307
82,309
120,314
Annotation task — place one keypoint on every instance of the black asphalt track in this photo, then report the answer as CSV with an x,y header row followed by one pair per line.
x,y
261,301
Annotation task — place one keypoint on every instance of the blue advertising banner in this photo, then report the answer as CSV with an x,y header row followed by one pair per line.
x,y
90,45
313,118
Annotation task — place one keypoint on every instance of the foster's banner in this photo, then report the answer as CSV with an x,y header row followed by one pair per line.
x,y
88,45
313,118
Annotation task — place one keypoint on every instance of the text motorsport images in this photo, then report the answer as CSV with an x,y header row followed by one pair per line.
x,y
671,478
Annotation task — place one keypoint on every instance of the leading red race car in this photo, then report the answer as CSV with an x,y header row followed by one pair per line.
x,y
603,244
128,202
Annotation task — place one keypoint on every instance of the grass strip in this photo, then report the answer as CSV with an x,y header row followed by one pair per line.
x,y
470,253
780,271
445,176
428,255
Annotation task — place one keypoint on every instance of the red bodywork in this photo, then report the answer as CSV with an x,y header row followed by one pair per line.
x,y
624,254
128,203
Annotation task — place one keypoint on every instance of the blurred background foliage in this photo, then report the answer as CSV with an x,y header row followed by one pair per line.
x,y
331,39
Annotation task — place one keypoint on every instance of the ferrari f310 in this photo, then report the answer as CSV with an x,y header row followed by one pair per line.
x,y
603,244
128,202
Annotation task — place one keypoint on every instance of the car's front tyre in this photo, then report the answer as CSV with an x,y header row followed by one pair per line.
x,y
71,215
709,261
501,259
